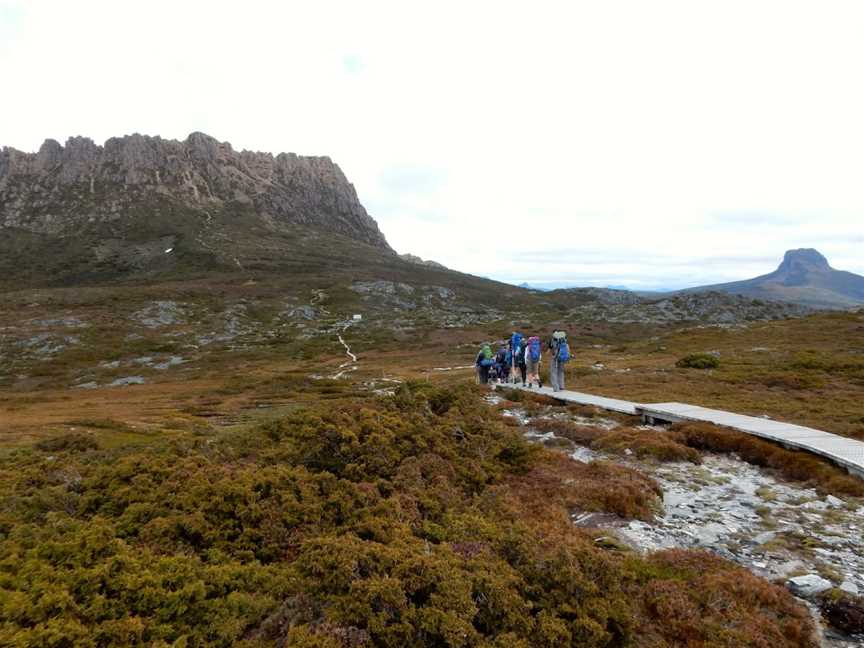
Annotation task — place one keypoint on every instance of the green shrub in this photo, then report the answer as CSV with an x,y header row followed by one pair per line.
x,y
698,361
68,442
419,520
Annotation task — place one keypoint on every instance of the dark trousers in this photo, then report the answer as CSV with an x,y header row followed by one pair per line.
x,y
483,372
522,370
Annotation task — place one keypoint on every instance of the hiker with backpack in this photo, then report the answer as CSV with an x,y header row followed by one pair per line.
x,y
484,362
517,355
532,361
518,364
502,363
559,355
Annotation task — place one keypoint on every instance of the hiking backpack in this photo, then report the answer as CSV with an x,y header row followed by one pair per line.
x,y
487,356
534,348
563,351
501,356
516,343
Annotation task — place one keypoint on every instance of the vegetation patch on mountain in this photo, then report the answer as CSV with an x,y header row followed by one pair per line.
x,y
698,361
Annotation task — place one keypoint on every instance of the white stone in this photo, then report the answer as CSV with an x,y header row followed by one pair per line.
x,y
809,585
833,502
762,538
849,587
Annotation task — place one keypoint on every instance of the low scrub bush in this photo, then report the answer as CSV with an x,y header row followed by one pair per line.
x,y
698,361
798,466
843,611
661,446
68,443
418,520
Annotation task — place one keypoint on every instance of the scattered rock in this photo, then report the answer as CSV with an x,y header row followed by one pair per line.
x,y
170,362
161,313
849,587
834,502
128,380
68,322
808,586
762,538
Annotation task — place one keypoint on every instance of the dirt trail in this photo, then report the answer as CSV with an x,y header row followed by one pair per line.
x,y
351,365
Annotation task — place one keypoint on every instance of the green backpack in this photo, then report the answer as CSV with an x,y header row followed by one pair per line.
x,y
487,352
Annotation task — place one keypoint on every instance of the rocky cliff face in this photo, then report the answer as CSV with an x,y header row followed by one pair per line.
x,y
60,188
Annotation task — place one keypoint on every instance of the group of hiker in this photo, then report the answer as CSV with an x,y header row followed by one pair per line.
x,y
519,358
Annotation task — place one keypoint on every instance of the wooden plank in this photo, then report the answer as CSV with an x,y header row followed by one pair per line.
x,y
844,451
612,404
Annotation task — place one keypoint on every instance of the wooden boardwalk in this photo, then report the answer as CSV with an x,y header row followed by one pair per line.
x,y
612,404
843,451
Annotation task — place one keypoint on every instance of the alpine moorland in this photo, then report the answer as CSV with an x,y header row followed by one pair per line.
x,y
232,415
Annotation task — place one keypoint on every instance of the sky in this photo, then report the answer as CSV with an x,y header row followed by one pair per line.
x,y
652,145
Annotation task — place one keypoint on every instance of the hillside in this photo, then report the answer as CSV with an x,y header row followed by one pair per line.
x,y
142,206
706,307
804,277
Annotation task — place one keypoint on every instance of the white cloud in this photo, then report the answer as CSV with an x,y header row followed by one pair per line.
x,y
594,130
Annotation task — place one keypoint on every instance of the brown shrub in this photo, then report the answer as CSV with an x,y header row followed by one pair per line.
x,y
844,612
579,434
73,442
797,466
694,598
557,480
661,446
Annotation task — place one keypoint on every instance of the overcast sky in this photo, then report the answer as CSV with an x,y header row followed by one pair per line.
x,y
646,144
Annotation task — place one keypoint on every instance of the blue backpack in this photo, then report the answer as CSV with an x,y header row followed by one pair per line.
x,y
516,343
534,348
563,351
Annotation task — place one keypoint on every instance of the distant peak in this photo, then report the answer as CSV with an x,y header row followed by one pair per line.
x,y
198,137
808,257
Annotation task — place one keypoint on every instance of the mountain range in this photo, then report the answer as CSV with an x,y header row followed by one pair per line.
x,y
142,208
804,277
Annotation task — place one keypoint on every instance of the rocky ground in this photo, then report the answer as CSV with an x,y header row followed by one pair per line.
x,y
779,530
705,307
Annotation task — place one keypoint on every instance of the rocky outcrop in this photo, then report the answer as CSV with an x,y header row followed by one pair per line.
x,y
704,307
56,189
413,258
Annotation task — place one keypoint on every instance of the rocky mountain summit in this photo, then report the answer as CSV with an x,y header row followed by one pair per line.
x,y
58,188
804,277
